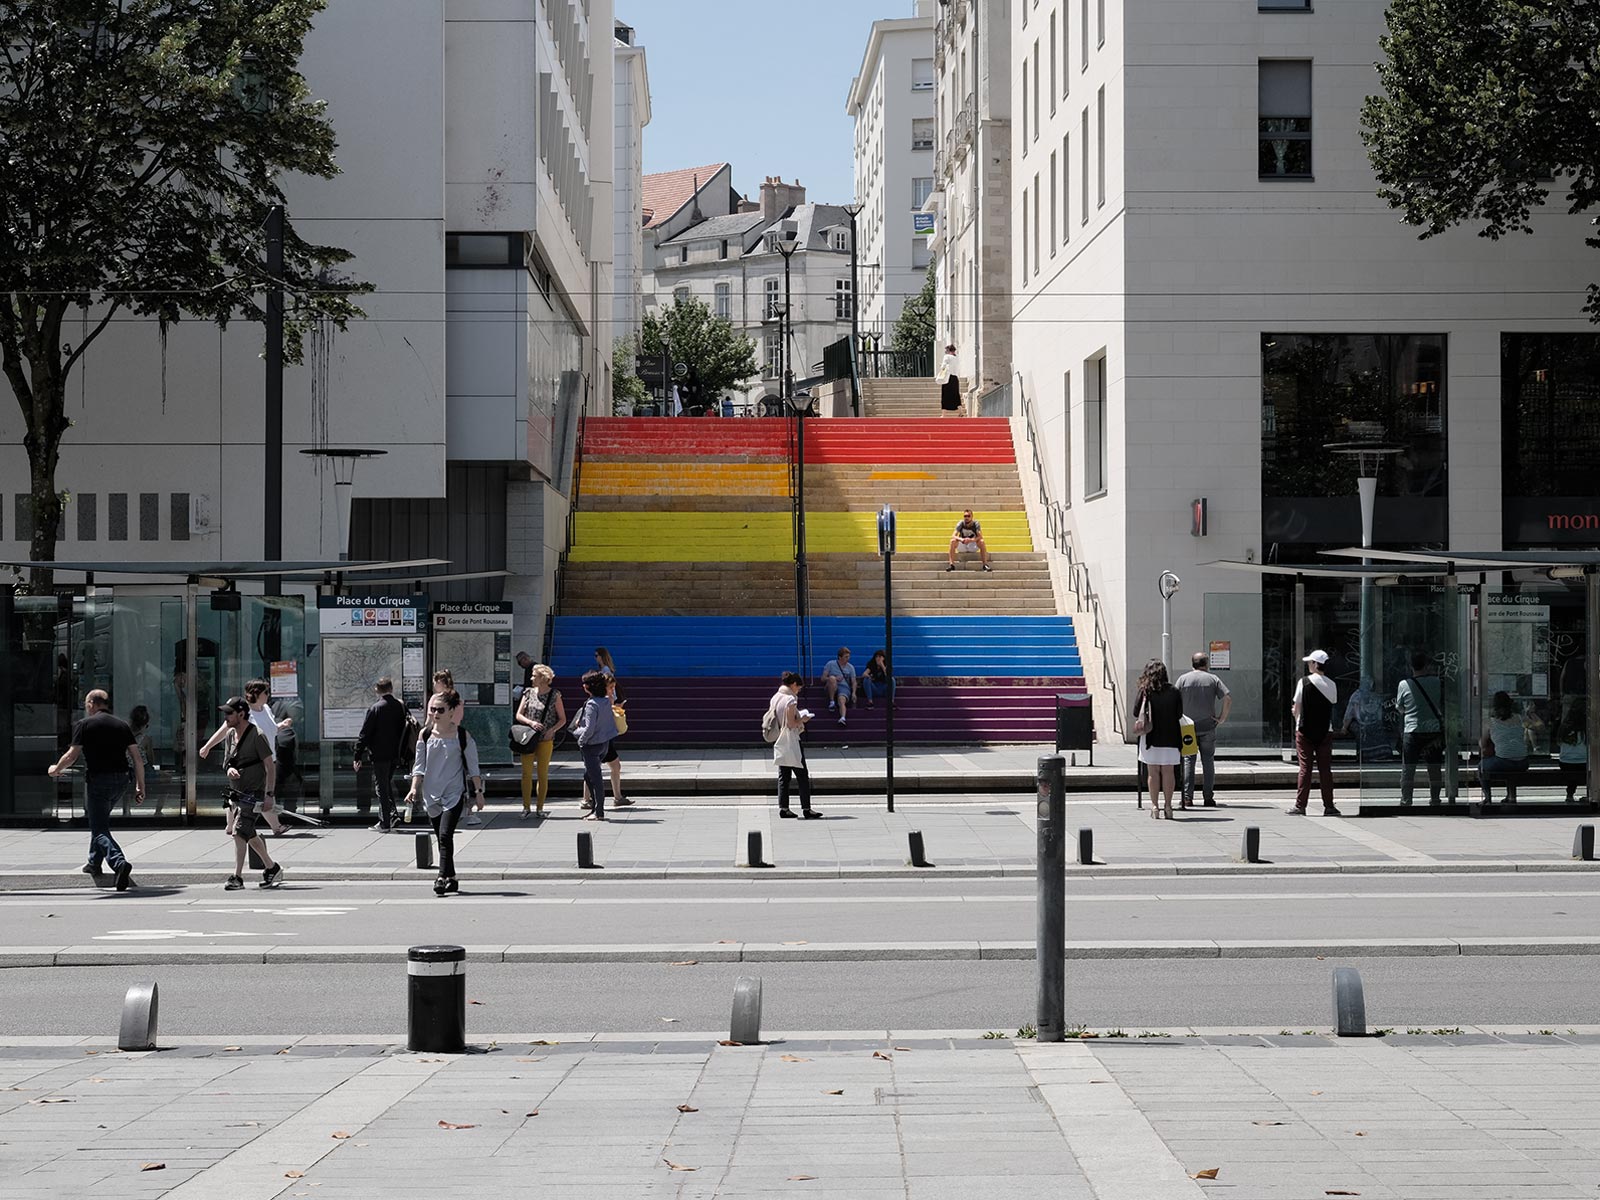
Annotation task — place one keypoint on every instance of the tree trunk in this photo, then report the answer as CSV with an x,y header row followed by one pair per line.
x,y
43,442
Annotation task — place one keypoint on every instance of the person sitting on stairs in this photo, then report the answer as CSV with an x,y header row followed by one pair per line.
x,y
968,534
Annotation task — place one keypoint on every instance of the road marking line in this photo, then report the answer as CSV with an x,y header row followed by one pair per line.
x,y
1382,845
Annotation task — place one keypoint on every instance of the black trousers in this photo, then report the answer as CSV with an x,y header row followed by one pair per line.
x,y
383,789
444,832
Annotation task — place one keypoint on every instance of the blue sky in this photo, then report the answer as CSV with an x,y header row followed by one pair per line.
x,y
758,83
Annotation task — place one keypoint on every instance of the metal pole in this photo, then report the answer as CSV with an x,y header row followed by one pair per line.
x,y
191,690
272,477
1368,488
1051,876
800,583
855,306
1591,633
888,662
787,331
1166,632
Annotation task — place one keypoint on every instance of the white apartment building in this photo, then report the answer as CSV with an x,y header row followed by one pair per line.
x,y
632,114
896,133
474,199
731,263
971,197
1208,292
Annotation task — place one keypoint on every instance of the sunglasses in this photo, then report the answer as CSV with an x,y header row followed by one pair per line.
x,y
437,708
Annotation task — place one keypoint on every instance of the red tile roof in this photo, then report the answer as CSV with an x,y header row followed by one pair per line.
x,y
665,193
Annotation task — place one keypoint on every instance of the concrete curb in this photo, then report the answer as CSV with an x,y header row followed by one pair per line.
x,y
694,954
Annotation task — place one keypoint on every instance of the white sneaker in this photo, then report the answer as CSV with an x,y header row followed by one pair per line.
x,y
473,819
841,719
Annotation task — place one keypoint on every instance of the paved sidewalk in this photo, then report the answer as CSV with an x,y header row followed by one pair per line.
x,y
983,837
911,1116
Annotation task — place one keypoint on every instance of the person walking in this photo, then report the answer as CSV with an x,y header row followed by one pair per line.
x,y
788,750
1156,711
542,711
1420,699
950,389
251,772
444,776
379,743
255,696
604,664
595,727
106,744
1201,693
1314,698
1503,746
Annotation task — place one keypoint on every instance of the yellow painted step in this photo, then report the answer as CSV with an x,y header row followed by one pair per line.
x,y
769,537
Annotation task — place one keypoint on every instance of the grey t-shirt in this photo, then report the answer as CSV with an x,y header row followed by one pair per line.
x,y
1202,692
1420,713
444,771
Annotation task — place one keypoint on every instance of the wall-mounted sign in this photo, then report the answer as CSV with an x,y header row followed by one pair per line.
x,y
1221,656
922,225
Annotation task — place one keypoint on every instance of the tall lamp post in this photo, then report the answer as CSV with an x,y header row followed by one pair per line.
x,y
800,404
788,243
854,210
1369,453
344,460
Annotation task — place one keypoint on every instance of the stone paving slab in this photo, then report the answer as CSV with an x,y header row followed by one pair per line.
x,y
927,1114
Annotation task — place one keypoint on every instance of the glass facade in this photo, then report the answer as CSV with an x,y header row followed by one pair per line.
x,y
1550,439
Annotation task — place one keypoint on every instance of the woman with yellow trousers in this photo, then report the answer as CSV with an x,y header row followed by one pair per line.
x,y
541,710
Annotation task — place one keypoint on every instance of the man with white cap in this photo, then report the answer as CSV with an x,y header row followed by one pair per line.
x,y
1314,698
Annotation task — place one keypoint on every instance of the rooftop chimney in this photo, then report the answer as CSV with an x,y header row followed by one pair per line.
x,y
778,197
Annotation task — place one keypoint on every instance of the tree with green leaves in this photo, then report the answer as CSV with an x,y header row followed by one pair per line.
x,y
144,146
917,328
719,358
1485,104
627,389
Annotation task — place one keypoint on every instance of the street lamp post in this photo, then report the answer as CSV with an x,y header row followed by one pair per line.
x,y
1168,586
800,404
272,477
344,460
1369,453
854,210
788,243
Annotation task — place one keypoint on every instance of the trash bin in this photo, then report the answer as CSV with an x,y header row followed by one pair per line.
x,y
1074,721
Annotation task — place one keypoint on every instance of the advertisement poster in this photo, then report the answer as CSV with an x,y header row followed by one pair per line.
x,y
366,638
1221,656
285,677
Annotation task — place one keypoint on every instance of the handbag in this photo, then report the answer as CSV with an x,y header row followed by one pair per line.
x,y
619,713
521,739
1140,725
1188,744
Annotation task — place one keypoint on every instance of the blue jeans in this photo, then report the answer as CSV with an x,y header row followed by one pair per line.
x,y
874,690
593,753
1207,744
1493,769
104,793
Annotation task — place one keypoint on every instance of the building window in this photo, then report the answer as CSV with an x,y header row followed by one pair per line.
x,y
178,516
843,308
683,254
1083,167
1052,62
1284,118
1066,49
1036,90
1083,48
1094,428
1038,203
922,131
462,250
1024,235
1066,188
921,189
116,517
772,355
1550,439
723,251
1100,144
922,74
841,240
1283,5
149,516
774,295
1025,138
724,301
680,295
88,515
921,256
1053,202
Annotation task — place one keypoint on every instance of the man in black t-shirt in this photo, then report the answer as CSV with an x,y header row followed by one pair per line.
x,y
106,744
381,732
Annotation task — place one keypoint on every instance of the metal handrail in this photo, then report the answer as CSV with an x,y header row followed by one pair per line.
x,y
1078,579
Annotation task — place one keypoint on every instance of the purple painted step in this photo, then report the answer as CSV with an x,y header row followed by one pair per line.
x,y
727,712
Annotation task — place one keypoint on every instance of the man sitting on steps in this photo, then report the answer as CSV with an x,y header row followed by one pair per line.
x,y
969,533
839,677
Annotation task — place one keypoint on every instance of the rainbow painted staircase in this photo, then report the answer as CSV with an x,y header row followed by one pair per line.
x,y
681,565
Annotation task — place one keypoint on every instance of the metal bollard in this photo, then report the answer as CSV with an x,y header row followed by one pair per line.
x,y
919,852
753,856
1349,1003
1583,843
140,1009
1250,845
1086,847
746,1026
1050,875
586,852
436,999
424,851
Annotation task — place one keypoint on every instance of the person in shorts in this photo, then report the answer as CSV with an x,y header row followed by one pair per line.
x,y
250,775
256,693
968,535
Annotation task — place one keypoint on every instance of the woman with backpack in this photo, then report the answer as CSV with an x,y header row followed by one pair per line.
x,y
604,665
783,724
445,776
595,727
542,711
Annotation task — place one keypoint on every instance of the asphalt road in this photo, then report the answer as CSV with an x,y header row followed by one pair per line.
x,y
1515,994
890,912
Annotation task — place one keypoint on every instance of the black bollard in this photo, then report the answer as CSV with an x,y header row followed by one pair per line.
x,y
919,852
1086,847
424,851
1349,1003
1051,876
1250,846
436,1002
753,856
586,852
1583,843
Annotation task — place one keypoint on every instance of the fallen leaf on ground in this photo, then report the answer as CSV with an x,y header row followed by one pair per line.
x,y
530,1060
792,1058
905,1048
285,1050
1208,1173
543,1043
687,1108
1361,1133
678,1166
727,1042
802,1177
294,1174
882,1055
340,1134
97,1079
799,943
688,962
1108,1081
1316,1093
1266,1122
452,1125
834,1092
475,1002
152,1166
534,1113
